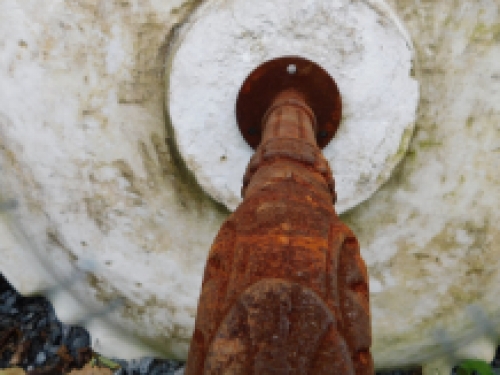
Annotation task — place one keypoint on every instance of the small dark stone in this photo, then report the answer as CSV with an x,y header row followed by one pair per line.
x,y
158,370
121,362
76,337
33,309
4,295
145,364
51,350
40,359
35,348
79,342
8,310
132,366
42,323
65,332
51,315
5,317
27,317
35,304
30,334
10,301
55,335
161,367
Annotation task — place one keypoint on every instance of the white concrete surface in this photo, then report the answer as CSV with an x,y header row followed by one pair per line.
x,y
102,192
361,45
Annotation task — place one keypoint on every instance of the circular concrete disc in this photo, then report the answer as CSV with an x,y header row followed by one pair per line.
x,y
92,198
360,44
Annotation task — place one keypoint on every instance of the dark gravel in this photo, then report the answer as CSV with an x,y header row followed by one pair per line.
x,y
33,338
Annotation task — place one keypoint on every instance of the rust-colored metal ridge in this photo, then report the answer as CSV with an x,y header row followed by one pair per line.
x,y
285,291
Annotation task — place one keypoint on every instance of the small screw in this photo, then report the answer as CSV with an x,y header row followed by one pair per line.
x,y
323,134
253,131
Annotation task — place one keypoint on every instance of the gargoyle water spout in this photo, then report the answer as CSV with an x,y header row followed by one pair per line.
x,y
285,290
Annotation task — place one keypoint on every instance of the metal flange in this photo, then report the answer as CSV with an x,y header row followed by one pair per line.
x,y
291,72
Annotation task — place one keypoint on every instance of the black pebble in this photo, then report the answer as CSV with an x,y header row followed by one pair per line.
x,y
27,317
42,323
40,359
144,365
75,337
55,333
10,301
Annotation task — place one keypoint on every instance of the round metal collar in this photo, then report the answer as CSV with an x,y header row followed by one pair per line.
x,y
290,72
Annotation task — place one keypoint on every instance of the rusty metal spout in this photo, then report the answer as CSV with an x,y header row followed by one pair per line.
x,y
285,290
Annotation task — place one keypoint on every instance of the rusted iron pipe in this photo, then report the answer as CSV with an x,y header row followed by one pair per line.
x,y
285,290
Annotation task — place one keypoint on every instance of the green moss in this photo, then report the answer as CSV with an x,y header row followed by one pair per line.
x,y
484,32
401,151
411,154
428,144
474,366
469,122
403,145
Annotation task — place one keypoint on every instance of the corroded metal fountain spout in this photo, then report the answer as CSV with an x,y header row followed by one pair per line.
x,y
285,290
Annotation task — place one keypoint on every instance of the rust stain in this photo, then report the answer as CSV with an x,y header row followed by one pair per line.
x,y
285,290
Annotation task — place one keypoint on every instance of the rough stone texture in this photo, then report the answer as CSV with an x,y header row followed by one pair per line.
x,y
440,238
360,44
82,149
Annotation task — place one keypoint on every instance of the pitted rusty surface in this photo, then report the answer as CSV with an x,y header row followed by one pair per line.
x,y
320,94
285,291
